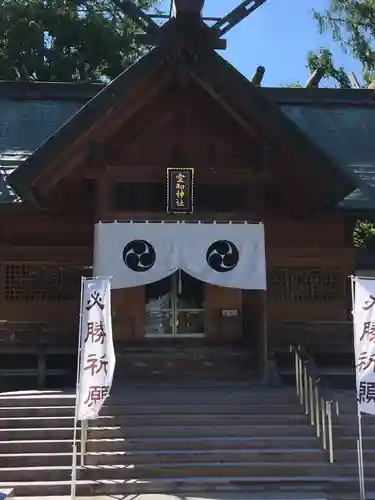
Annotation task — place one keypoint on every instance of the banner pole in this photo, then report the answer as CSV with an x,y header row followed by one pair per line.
x,y
74,451
84,425
361,475
360,457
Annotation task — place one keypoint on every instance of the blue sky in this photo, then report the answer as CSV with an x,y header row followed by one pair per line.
x,y
277,36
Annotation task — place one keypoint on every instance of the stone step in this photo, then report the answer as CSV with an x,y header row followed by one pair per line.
x,y
188,431
349,455
221,485
351,430
159,443
169,421
36,398
272,493
155,411
157,457
142,396
120,471
65,433
351,417
189,376
349,442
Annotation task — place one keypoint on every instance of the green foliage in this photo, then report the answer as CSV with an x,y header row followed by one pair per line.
x,y
65,40
336,77
363,233
324,59
352,24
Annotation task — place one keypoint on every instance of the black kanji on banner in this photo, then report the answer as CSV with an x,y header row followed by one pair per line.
x,y
180,190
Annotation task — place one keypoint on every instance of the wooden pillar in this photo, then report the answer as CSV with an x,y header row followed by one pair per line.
x,y
128,309
219,328
255,329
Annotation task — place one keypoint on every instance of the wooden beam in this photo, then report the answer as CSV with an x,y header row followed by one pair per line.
x,y
244,124
156,113
258,76
146,173
155,40
60,254
196,216
237,15
315,77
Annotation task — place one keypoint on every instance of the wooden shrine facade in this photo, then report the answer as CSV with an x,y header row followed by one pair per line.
x,y
40,284
253,159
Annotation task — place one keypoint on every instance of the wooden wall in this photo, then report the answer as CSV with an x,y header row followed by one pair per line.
x,y
43,254
42,259
308,264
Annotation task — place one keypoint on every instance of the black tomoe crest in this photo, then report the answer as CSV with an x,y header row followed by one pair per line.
x,y
139,256
222,256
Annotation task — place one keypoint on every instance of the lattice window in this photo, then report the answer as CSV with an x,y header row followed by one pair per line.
x,y
304,284
40,282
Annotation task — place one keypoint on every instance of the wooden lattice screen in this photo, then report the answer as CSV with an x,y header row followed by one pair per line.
x,y
25,282
305,284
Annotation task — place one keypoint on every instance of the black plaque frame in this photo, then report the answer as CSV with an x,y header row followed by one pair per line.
x,y
180,201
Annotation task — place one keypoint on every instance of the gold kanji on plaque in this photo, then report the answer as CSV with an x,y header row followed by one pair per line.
x,y
180,190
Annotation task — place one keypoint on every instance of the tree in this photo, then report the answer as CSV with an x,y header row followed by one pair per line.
x,y
364,233
65,40
352,24
324,59
337,77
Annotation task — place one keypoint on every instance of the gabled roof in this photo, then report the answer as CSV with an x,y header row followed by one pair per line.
x,y
22,178
321,180
318,112
312,167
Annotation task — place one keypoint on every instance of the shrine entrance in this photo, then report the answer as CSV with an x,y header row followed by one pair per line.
x,y
175,307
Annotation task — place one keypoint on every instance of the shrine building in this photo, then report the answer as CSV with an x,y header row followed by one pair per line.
x,y
222,210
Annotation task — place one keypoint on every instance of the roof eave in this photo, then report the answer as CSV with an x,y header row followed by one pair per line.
x,y
341,182
23,178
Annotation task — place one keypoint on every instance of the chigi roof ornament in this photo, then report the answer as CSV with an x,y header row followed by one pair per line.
x,y
187,13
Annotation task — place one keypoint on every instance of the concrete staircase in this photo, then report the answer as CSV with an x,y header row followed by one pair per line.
x,y
345,439
178,363
167,440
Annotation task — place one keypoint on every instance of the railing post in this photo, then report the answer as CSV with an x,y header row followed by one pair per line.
x,y
317,410
84,426
296,364
330,438
306,390
324,428
311,398
315,403
301,396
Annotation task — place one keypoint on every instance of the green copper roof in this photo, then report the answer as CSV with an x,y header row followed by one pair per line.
x,y
347,134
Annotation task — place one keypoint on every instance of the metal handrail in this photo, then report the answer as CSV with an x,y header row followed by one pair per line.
x,y
315,398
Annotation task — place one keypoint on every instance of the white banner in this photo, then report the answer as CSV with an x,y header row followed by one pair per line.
x,y
364,343
223,254
97,353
